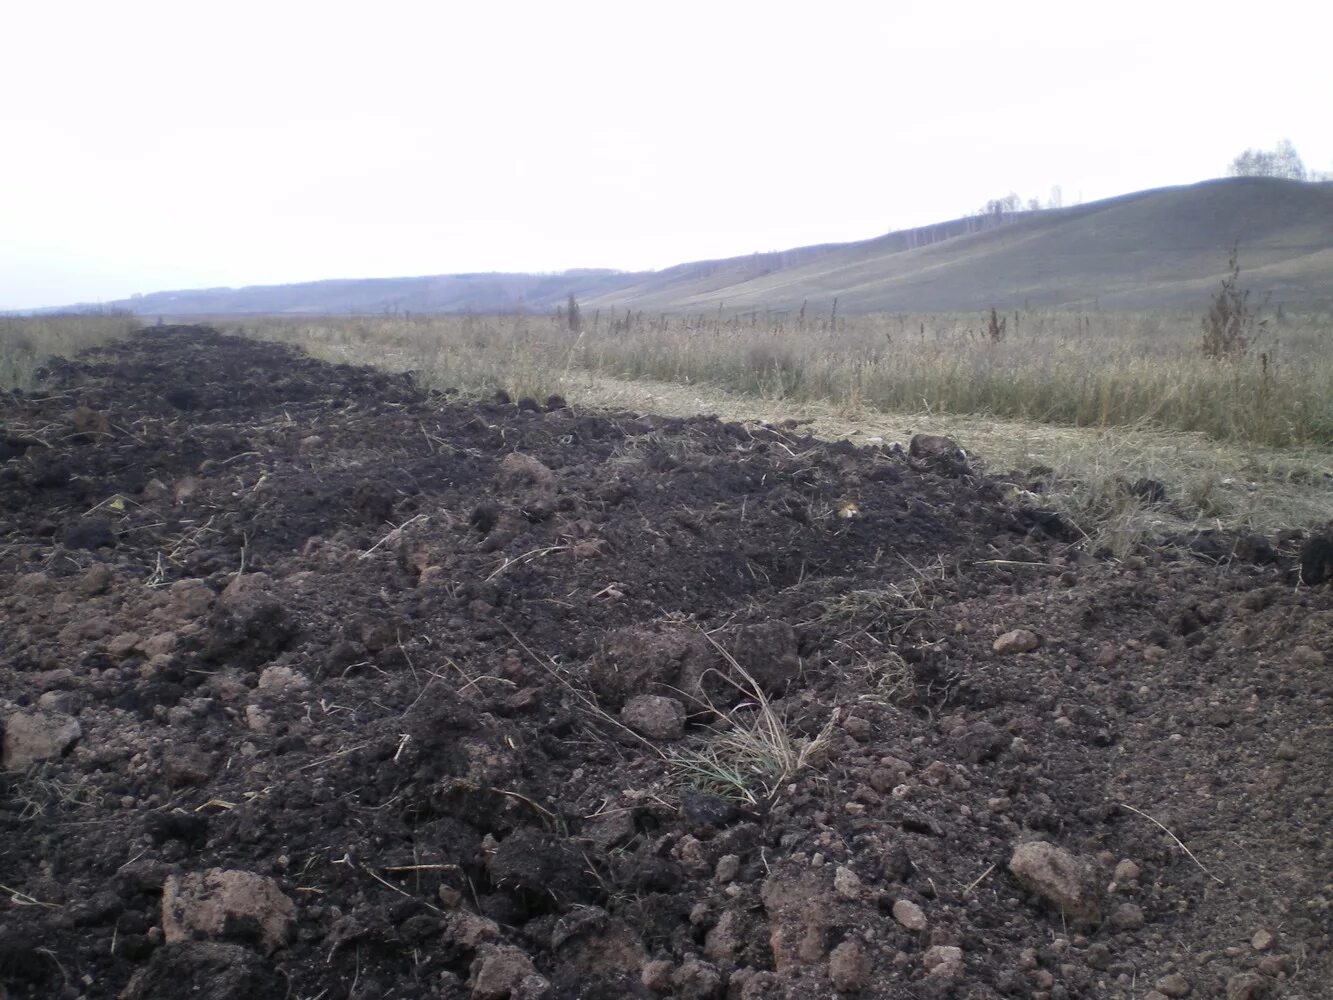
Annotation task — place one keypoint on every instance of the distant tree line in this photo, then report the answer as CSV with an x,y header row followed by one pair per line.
x,y
1280,161
1003,209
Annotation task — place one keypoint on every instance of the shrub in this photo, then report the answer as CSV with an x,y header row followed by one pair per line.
x,y
1229,325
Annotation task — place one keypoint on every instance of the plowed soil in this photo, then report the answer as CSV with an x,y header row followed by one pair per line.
x,y
381,657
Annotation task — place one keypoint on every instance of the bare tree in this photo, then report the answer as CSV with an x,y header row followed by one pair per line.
x,y
1281,161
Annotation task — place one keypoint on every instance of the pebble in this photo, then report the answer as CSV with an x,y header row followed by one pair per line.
x,y
1174,985
1019,640
1262,940
848,967
1307,656
909,915
728,867
1246,986
1127,871
1128,917
656,975
847,884
941,956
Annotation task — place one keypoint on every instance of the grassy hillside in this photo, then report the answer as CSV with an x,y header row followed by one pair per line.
x,y
445,293
1156,248
1161,248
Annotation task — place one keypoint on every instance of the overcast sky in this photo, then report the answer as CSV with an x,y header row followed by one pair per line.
x,y
149,146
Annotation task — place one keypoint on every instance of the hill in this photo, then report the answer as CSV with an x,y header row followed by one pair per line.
x,y
1154,248
1150,249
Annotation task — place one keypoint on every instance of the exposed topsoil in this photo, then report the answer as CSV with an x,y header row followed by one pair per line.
x,y
316,685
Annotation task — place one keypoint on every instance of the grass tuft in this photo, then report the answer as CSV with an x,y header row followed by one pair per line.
x,y
750,753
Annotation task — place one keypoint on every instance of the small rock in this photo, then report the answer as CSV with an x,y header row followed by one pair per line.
x,y
257,720
696,980
1262,940
910,915
848,967
34,736
469,930
498,970
703,808
857,728
1128,917
1246,986
935,446
159,644
122,645
1127,871
655,716
187,765
1317,560
519,471
63,702
942,954
1020,640
611,829
656,976
728,867
95,580
1274,965
847,884
1174,985
726,937
220,904
1060,877
281,682
1307,656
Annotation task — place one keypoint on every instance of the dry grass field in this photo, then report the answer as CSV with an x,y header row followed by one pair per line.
x,y
27,341
1099,370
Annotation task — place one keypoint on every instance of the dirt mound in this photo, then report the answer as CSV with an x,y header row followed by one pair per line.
x,y
315,684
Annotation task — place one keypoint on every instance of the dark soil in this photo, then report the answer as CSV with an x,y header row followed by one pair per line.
x,y
367,647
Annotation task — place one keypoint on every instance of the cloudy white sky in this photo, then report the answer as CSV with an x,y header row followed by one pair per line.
x,y
155,145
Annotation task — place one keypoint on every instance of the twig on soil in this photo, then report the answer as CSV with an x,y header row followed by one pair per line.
x,y
423,868
237,458
402,745
394,535
471,681
216,804
523,798
525,557
977,881
332,757
1178,841
402,892
23,899
116,501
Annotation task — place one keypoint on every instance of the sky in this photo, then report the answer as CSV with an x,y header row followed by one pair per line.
x,y
147,146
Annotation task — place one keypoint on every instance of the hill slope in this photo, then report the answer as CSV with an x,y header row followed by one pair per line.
x,y
1142,250
1154,248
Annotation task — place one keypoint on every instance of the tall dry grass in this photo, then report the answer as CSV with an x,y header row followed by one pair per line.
x,y
1091,369
26,342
